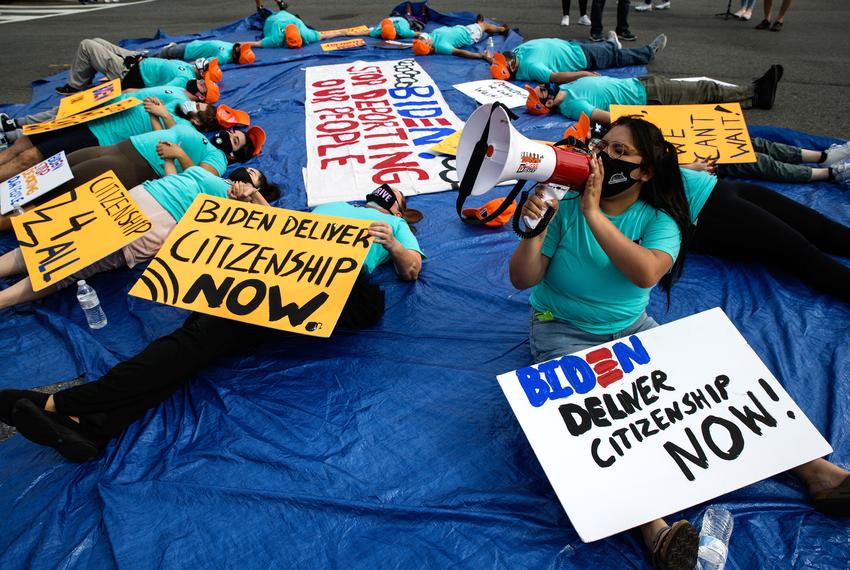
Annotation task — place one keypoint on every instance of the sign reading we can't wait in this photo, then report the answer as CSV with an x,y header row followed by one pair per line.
x,y
268,266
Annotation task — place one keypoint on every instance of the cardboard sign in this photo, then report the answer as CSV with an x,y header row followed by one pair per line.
x,y
369,123
633,430
85,100
393,44
494,90
77,228
345,44
710,132
271,267
83,117
361,30
34,182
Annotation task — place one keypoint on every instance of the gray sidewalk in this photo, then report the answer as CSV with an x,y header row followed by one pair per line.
x,y
814,45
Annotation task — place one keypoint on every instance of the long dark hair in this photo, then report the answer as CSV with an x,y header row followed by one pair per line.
x,y
665,190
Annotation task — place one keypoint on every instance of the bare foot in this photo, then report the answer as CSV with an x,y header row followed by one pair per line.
x,y
50,406
821,475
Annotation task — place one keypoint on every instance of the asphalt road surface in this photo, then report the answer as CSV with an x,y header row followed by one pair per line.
x,y
813,46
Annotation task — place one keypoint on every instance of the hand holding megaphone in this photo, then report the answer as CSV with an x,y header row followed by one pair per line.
x,y
544,196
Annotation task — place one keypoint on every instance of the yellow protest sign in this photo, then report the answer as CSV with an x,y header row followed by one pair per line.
x,y
449,144
353,31
83,117
699,132
345,44
271,267
77,228
85,100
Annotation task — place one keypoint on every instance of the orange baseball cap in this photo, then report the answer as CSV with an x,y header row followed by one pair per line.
x,y
387,29
293,36
258,137
228,117
481,212
534,105
499,68
213,92
421,48
246,54
214,70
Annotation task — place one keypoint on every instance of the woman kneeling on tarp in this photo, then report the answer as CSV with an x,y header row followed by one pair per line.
x,y
592,271
163,201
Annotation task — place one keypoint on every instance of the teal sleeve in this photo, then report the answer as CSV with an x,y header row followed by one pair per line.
x,y
662,234
216,159
406,238
553,235
443,48
538,72
573,108
309,36
376,32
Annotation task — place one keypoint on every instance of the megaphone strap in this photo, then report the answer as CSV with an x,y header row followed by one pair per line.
x,y
536,230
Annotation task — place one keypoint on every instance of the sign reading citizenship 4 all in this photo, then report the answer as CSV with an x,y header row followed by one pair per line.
x,y
268,266
633,430
372,123
77,228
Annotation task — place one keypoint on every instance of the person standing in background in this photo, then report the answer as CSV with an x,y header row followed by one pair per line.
x,y
622,30
768,8
582,8
746,11
648,7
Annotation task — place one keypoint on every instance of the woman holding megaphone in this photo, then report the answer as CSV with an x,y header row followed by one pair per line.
x,y
592,270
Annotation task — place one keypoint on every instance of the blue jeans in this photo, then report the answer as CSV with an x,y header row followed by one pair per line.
x,y
556,338
604,55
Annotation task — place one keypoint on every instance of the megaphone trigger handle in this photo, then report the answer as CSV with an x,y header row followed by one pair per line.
x,y
537,226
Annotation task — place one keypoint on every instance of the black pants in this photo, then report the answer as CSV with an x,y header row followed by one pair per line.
x,y
131,388
582,7
596,16
752,223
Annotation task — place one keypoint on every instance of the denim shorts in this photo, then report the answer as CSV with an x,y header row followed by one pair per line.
x,y
555,338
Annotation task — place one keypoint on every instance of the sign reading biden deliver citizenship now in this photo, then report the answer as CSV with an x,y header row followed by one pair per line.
x,y
648,425
271,267
374,122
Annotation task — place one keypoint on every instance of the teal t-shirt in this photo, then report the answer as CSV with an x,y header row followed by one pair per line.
x,y
156,72
448,38
698,187
582,286
120,126
377,253
274,30
196,145
401,25
164,93
176,193
589,93
538,59
209,49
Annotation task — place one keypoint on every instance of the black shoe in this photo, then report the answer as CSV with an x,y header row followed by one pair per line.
x,y
596,38
281,5
763,25
627,36
7,123
8,399
67,90
53,430
764,88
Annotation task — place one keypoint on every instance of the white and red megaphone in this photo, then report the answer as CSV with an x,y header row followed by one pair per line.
x,y
490,144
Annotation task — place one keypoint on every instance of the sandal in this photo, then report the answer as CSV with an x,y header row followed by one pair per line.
x,y
776,27
834,502
675,547
763,25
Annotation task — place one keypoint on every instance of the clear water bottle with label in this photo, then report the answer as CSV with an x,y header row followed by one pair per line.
x,y
87,297
490,45
714,539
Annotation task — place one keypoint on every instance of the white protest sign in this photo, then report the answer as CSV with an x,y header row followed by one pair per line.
x,y
633,430
33,182
370,123
494,90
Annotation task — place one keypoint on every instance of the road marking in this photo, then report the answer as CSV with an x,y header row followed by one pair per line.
x,y
16,14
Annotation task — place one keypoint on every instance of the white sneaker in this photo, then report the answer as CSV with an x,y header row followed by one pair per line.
x,y
643,8
584,21
841,172
611,37
663,6
565,21
837,153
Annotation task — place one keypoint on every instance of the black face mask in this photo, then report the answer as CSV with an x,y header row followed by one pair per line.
x,y
241,175
221,141
382,196
617,179
192,87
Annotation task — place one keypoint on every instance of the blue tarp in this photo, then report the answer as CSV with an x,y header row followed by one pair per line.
x,y
392,447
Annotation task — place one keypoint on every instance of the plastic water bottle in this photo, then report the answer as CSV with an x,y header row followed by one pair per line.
x,y
490,45
714,539
87,297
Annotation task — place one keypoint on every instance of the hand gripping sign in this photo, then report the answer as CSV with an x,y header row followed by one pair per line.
x,y
271,267
633,430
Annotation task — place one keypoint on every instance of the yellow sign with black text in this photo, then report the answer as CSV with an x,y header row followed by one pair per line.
x,y
83,117
361,30
699,132
77,228
345,44
267,266
85,100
